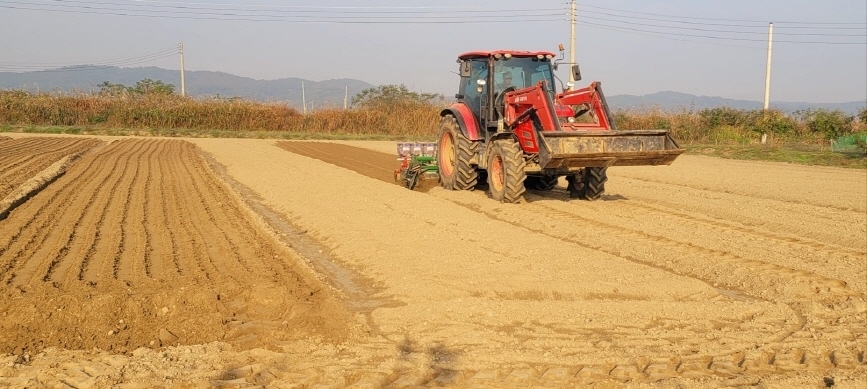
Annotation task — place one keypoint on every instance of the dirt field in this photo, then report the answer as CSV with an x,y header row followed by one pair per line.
x,y
239,263
21,159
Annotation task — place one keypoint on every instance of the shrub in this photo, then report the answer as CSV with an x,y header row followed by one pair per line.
x,y
831,124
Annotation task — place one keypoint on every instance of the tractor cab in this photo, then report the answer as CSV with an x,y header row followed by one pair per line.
x,y
487,76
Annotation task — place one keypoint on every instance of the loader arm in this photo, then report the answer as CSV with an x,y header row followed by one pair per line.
x,y
564,145
592,99
521,104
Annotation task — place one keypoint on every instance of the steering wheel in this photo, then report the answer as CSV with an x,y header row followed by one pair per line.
x,y
500,100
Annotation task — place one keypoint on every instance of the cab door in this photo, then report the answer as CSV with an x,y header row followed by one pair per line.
x,y
475,100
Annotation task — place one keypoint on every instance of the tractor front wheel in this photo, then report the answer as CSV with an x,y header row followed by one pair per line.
x,y
589,184
454,156
594,182
506,172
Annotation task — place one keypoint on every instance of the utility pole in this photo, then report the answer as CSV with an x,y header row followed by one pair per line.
x,y
768,69
572,17
768,75
303,99
346,98
183,84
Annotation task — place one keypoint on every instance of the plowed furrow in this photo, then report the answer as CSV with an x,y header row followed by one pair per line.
x,y
251,246
84,204
98,266
32,160
15,148
84,249
22,236
47,223
229,260
210,250
129,259
159,248
91,255
194,256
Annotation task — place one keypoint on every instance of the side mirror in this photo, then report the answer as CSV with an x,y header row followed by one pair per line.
x,y
466,70
576,72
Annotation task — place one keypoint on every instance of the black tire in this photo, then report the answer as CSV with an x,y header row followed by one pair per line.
x,y
455,154
576,185
541,183
594,182
506,171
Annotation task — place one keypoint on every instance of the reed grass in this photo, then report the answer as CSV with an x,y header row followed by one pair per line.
x,y
180,116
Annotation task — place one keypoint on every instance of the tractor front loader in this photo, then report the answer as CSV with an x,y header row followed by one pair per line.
x,y
511,128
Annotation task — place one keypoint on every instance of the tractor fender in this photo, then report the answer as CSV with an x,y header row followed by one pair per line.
x,y
466,121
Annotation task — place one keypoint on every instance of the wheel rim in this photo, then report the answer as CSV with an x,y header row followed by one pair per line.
x,y
447,154
498,178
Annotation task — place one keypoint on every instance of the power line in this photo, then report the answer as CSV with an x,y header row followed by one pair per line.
x,y
107,61
663,36
719,24
89,65
292,9
303,16
286,19
723,31
717,37
720,19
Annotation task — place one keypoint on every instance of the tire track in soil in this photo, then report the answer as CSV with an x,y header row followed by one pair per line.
x,y
810,295
111,211
734,193
807,222
790,255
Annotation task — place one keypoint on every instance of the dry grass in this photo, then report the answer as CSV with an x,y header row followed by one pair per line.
x,y
410,119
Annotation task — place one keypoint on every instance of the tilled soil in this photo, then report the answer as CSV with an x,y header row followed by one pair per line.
x,y
23,158
138,244
707,273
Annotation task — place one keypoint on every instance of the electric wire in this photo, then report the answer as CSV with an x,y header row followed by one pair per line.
x,y
295,8
720,19
725,24
88,65
718,37
294,18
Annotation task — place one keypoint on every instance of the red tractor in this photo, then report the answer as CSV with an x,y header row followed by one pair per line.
x,y
510,127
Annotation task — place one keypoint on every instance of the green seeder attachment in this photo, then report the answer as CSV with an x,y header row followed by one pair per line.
x,y
418,162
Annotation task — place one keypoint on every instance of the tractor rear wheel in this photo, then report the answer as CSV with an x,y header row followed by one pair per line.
x,y
454,156
506,171
594,182
541,183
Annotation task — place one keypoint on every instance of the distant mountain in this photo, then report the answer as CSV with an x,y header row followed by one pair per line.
x,y
198,83
677,100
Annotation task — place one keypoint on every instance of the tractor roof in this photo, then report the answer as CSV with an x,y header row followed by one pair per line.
x,y
514,53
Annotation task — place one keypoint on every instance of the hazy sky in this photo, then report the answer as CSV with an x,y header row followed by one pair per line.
x,y
707,47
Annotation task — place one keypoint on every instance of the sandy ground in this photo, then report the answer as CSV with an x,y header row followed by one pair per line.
x,y
707,273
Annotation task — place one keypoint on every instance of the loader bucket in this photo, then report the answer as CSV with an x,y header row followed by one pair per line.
x,y
574,149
